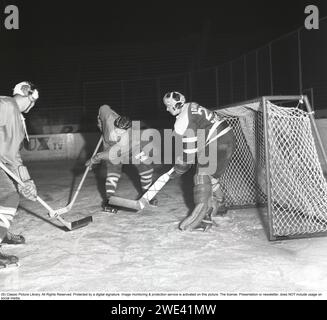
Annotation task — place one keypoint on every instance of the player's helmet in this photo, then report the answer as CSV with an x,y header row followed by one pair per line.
x,y
123,122
25,89
174,100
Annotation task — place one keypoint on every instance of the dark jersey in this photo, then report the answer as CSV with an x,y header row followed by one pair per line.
x,y
198,127
130,148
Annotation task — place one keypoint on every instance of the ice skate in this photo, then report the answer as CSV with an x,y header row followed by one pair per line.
x,y
108,208
8,261
14,239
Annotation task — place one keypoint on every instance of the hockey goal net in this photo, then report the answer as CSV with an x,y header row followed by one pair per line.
x,y
276,166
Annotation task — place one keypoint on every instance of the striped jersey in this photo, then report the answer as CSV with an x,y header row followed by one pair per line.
x,y
194,122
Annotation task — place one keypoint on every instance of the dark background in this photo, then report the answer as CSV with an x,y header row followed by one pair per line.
x,y
129,53
58,23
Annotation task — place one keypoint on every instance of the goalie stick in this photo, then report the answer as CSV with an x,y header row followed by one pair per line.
x,y
69,225
141,203
162,180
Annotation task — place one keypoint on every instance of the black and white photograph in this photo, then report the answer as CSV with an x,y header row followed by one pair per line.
x,y
163,150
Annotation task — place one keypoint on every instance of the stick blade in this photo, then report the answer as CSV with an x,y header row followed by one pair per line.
x,y
81,223
123,202
75,224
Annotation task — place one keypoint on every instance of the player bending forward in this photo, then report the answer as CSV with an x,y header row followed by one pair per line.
x,y
117,133
12,133
207,190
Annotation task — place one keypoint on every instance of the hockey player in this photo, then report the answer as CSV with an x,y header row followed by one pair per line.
x,y
12,133
117,131
192,120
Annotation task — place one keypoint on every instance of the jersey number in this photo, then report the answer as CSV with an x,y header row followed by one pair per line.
x,y
201,110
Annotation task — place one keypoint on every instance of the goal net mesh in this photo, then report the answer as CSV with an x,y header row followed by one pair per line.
x,y
298,189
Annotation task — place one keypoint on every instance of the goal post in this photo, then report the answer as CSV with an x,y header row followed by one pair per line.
x,y
276,166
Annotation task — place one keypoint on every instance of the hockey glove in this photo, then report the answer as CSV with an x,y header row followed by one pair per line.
x,y
94,160
179,169
29,190
174,175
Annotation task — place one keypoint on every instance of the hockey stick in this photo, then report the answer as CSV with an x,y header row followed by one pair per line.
x,y
146,198
63,210
69,225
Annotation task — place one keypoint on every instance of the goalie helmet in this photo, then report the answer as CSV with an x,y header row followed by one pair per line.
x,y
25,89
123,122
174,100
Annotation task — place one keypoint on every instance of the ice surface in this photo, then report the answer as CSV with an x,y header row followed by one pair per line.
x,y
130,252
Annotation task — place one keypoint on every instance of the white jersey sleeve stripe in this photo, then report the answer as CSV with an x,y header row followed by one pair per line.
x,y
213,128
188,151
219,135
191,139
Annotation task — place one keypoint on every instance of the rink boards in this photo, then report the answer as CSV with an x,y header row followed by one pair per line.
x,y
59,146
79,145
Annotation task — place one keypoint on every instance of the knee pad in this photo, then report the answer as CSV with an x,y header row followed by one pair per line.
x,y
203,203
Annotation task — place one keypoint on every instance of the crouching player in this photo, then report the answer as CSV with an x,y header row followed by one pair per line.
x,y
117,135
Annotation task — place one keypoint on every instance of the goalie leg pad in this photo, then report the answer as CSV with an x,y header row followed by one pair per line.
x,y
203,200
200,215
202,191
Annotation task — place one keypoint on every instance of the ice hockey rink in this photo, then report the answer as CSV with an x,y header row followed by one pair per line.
x,y
131,252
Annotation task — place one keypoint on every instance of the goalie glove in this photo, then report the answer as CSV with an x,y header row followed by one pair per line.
x,y
29,188
179,169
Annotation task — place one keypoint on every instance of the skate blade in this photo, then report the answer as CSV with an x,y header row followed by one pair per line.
x,y
4,244
205,228
10,266
109,213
